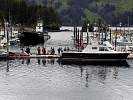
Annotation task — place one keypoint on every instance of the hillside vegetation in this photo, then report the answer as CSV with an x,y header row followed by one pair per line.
x,y
74,12
19,12
110,11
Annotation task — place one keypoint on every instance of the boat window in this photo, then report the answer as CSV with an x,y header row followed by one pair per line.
x,y
94,47
105,49
104,44
101,48
110,48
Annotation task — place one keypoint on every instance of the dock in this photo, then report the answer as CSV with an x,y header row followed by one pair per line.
x,y
34,56
44,56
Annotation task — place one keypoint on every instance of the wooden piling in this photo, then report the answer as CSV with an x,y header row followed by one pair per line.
x,y
87,38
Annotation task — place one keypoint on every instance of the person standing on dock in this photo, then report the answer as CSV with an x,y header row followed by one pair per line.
x,y
61,50
68,49
22,49
23,53
39,50
43,51
53,51
58,50
27,50
65,49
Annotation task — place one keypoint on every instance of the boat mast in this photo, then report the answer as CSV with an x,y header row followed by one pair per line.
x,y
6,25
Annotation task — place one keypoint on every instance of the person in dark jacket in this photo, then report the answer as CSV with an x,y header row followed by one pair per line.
x,y
39,50
43,51
27,50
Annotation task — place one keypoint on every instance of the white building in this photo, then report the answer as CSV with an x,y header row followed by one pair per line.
x,y
39,27
13,32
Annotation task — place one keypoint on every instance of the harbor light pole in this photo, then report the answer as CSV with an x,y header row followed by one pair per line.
x,y
128,24
88,33
120,27
110,32
116,38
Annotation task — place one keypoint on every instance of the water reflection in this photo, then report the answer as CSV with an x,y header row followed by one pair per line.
x,y
44,62
96,63
87,78
87,72
81,70
7,68
40,61
101,74
66,77
115,72
28,61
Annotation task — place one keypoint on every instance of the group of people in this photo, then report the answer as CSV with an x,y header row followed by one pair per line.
x,y
42,50
60,50
26,52
66,49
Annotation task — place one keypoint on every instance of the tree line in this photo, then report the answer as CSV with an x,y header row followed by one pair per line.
x,y
19,12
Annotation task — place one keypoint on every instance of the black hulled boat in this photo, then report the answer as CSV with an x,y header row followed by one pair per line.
x,y
33,38
95,52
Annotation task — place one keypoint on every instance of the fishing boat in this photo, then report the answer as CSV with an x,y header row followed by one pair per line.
x,y
28,38
3,54
95,51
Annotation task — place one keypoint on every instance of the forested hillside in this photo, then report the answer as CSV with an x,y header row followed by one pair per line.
x,y
19,12
75,11
71,12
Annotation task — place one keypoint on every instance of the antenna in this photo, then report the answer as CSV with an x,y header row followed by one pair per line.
x,y
128,23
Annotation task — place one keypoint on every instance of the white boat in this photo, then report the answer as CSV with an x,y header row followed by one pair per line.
x,y
95,52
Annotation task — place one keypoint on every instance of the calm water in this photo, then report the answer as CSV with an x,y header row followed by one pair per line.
x,y
46,79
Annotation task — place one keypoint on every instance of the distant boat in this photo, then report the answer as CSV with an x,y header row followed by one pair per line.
x,y
32,38
14,41
3,54
95,52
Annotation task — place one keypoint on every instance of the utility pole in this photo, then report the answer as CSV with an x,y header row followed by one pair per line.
x,y
6,24
116,39
128,23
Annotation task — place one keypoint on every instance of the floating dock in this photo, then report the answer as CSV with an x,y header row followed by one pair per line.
x,y
34,56
45,56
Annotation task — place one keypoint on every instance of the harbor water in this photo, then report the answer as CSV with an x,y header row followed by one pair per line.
x,y
47,79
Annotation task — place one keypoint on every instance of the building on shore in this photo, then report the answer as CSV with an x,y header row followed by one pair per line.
x,y
39,26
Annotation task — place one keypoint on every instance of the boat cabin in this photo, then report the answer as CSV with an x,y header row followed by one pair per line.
x,y
97,47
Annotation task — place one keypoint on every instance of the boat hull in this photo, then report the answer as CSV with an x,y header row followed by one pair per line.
x,y
3,56
111,63
94,56
32,38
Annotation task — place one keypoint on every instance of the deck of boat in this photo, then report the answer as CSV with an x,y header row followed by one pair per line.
x,y
44,56
130,56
